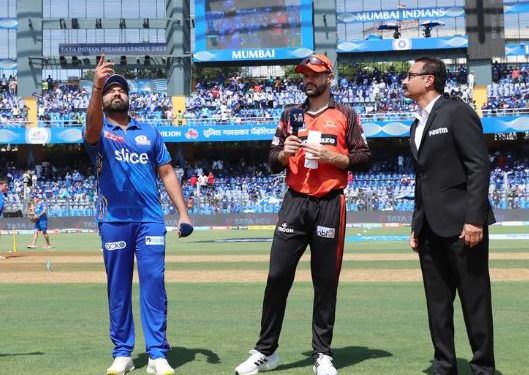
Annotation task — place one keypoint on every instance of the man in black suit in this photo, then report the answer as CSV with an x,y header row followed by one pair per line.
x,y
451,216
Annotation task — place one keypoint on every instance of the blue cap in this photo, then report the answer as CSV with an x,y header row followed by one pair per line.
x,y
185,230
116,79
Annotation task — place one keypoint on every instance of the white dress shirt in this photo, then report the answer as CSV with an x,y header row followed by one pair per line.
x,y
422,116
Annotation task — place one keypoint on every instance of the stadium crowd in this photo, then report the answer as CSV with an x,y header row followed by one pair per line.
x,y
374,94
218,186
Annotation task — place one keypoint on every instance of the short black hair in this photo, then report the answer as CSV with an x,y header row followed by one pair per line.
x,y
437,68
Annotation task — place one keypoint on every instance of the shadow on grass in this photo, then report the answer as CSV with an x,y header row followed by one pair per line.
x,y
179,356
20,354
343,357
463,368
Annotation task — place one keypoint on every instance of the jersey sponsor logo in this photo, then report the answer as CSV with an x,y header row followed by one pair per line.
x,y
325,232
126,156
118,245
154,240
328,139
275,141
284,228
142,140
113,137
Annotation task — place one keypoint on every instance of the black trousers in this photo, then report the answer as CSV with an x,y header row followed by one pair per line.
x,y
319,223
448,266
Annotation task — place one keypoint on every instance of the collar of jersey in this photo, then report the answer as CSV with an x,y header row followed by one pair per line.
x,y
133,124
332,103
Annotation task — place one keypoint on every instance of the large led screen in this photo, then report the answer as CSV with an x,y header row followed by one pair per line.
x,y
232,30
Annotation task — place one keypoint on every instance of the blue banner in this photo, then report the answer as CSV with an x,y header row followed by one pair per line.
x,y
244,133
517,49
405,14
520,7
403,44
239,30
94,49
401,14
491,125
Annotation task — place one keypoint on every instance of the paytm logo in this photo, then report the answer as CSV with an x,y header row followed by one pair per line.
x,y
126,156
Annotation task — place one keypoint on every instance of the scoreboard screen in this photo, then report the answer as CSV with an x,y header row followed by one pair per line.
x,y
229,30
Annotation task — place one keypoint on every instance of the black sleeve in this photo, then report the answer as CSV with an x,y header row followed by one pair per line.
x,y
468,136
278,143
359,153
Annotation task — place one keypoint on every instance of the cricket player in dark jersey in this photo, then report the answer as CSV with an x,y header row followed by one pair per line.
x,y
129,157
312,213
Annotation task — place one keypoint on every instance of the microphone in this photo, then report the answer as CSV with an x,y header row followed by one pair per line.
x,y
296,120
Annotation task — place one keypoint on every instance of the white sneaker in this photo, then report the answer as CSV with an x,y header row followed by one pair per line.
x,y
120,366
257,362
159,366
323,365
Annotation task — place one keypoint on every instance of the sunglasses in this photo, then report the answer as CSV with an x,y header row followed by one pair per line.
x,y
316,61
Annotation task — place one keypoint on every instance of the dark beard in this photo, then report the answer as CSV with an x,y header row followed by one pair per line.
x,y
316,92
117,107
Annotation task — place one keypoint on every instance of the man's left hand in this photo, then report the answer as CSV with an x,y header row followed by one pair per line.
x,y
473,234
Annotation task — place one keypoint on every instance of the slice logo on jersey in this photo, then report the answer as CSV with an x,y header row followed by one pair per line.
x,y
328,139
284,228
113,137
325,232
142,140
155,240
126,156
118,245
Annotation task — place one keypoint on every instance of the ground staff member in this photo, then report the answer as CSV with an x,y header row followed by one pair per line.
x,y
452,212
128,156
312,213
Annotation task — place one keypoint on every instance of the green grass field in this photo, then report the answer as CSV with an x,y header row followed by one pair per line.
x,y
381,327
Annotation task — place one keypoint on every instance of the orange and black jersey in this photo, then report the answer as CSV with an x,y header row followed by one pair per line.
x,y
341,131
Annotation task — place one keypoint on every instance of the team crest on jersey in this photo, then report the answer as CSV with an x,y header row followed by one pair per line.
x,y
113,137
275,141
330,124
142,140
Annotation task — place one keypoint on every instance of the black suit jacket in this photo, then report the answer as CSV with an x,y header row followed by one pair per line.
x,y
452,170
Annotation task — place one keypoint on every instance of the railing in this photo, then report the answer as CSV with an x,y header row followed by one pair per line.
x,y
365,117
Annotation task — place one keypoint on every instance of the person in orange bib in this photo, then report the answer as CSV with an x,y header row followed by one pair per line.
x,y
317,142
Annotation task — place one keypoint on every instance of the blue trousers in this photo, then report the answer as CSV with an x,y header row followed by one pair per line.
x,y
120,242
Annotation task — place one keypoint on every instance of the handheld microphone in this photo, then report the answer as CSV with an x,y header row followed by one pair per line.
x,y
296,120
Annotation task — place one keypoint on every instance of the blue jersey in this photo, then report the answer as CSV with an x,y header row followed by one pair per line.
x,y
40,207
126,163
2,199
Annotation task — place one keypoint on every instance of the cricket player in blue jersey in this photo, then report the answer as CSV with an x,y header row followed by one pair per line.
x,y
41,223
129,156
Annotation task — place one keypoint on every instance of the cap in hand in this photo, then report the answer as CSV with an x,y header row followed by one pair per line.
x,y
185,230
